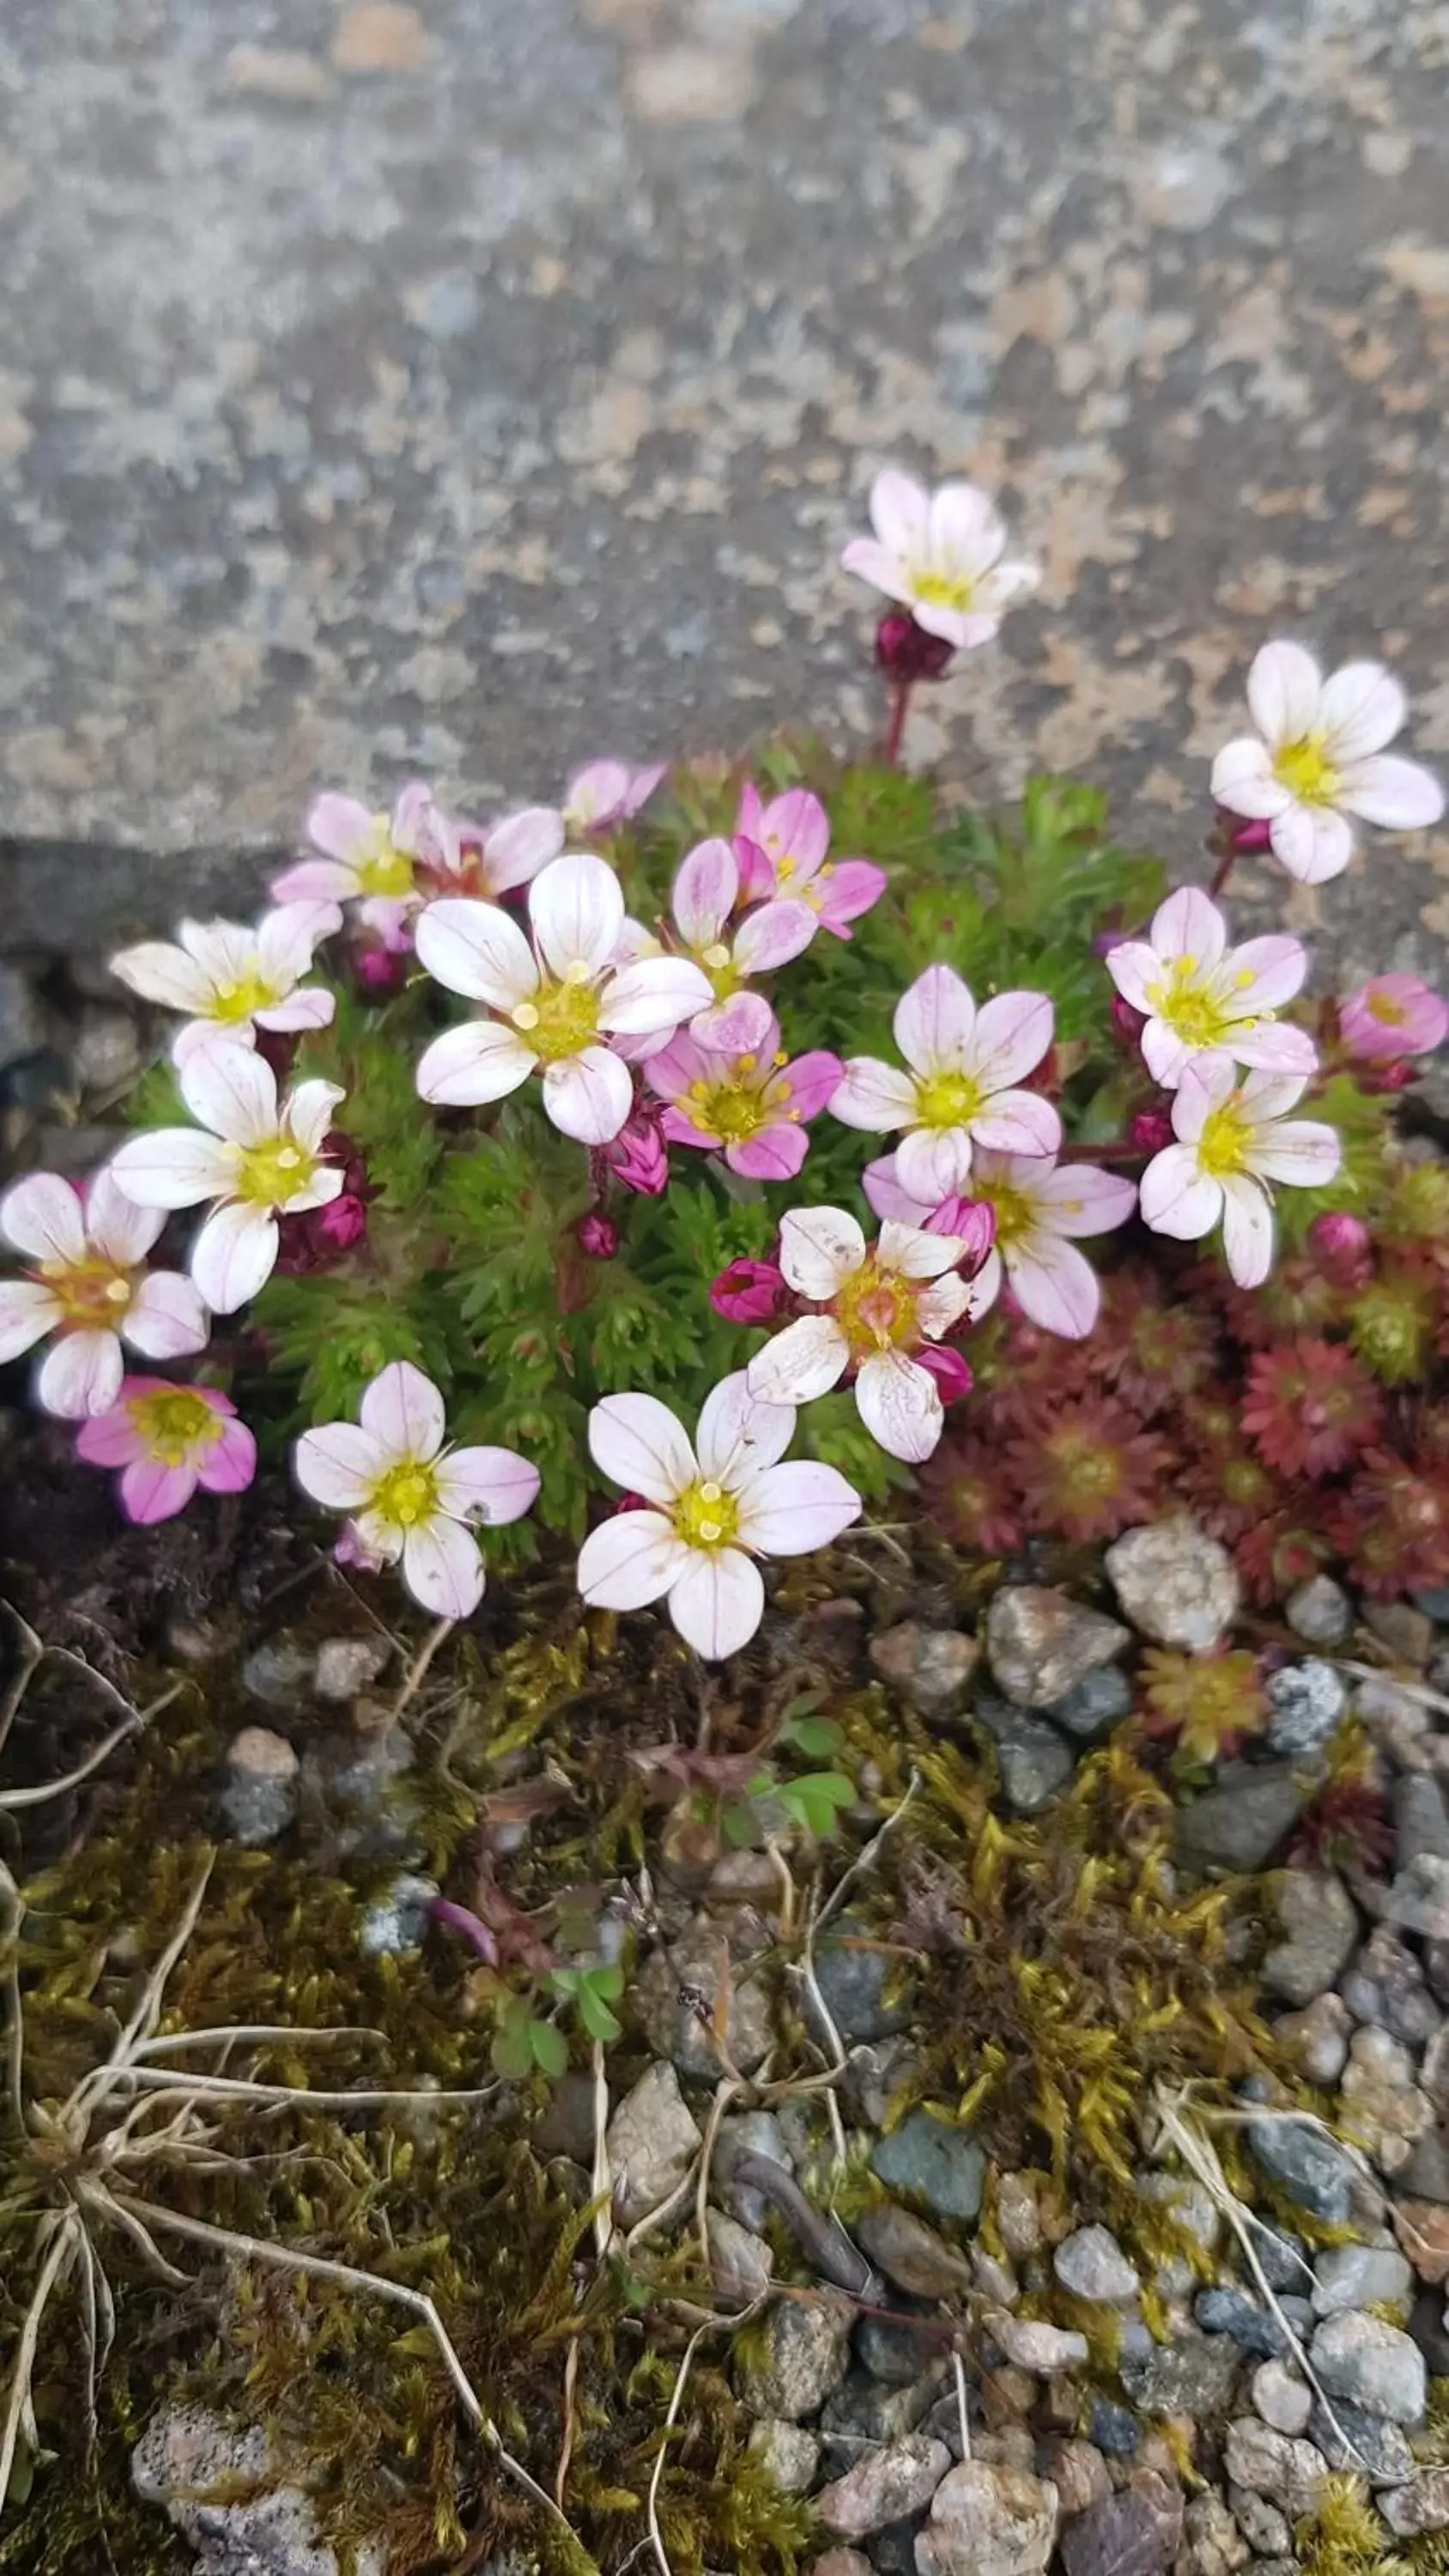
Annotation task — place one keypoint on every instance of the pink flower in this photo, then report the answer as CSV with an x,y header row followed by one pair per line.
x,y
750,1292
940,554
411,1498
962,1087
1344,1246
167,1440
370,859
1318,758
1038,1206
709,1510
781,848
707,891
231,981
597,1235
557,1003
1233,1141
606,792
1197,994
86,1286
751,1104
638,1157
873,1309
1392,1015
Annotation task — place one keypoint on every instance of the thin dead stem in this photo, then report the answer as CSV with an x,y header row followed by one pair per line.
x,y
417,1671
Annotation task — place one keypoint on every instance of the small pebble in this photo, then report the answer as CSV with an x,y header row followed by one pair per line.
x,y
1307,1701
397,1921
790,2457
1281,2399
260,1796
1320,1611
1091,2264
1361,2276
346,1665
1378,2366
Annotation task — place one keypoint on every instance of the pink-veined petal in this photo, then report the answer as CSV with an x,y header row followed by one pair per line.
x,y
174,1167
231,1091
403,1412
808,1085
442,1568
1002,587
654,993
641,1445
1247,1230
757,872
803,1362
28,1311
115,1225
325,1184
166,1319
850,888
1312,842
589,1095
80,1375
596,794
1206,1084
820,1248
629,1561
1362,708
1396,794
775,1154
676,1129
900,511
967,533
315,881
234,1255
706,886
478,950
744,1025
1136,970
576,910
1262,975
230,1464
516,849
467,1067
1165,1054
1189,924
933,1163
1285,690
1054,1285
673,1067
900,1406
1272,1095
1018,1122
490,1484
151,1491
339,1464
1276,1046
43,1217
983,1291
717,1601
774,934
1301,1151
336,824
1177,1198
884,1192
914,1253
736,1432
163,974
110,1439
873,1096
795,828
953,625
935,1020
1080,1198
307,1113
941,1304
311,1008
1243,781
1013,1032
880,565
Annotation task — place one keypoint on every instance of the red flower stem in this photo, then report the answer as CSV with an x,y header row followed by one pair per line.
x,y
1222,871
1121,1152
895,729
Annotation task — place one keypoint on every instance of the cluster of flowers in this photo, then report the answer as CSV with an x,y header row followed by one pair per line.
x,y
643,1038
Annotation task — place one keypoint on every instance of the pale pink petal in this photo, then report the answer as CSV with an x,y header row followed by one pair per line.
x,y
796,827
1000,588
174,1167
1247,1230
234,1255
1396,794
1285,689
808,1085
166,1319
1189,924
516,848
942,1303
736,1432
914,1254
654,994
80,1375
339,1464
336,824
900,510
1311,842
642,783
476,950
850,888
493,1485
286,938
641,1445
934,1022
1243,781
717,1601
819,1249
933,1163
1301,1151
588,1096
1262,975
806,1360
402,1410
315,881
325,1184
576,909
1013,1032
368,1540
597,793
1206,1083
884,1192
111,1439
161,973
873,1096
151,1491
1361,709
900,1406
1164,1053
744,1025
443,1569
706,885
675,1066
467,1067
230,1464
231,1091
194,1035
114,1224
1054,1285
773,935
983,1291
750,813
1276,1047
1272,1095
884,569
44,1217
775,1154
966,530
28,1312
676,1129
757,871
1018,1122
1136,970
629,1561
953,625
1176,1198
392,917
1080,1198
307,1112
312,1008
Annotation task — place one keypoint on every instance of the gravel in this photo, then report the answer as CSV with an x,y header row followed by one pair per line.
x,y
651,2141
1307,1701
1320,1611
1282,2399
259,1799
988,2521
885,2487
1376,2365
1321,1926
1041,1644
805,2355
1091,2264
1177,1586
1310,2168
1361,2276
934,2163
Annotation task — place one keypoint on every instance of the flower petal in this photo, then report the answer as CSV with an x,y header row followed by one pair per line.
x,y
736,1432
808,1085
576,909
1276,1046
940,1304
442,1568
932,1164
848,889
1206,1083
1177,1198
477,950
795,829
806,1360
315,881
493,1485
652,994
115,1225
1136,970
234,1255
717,1601
44,1217
336,824
1080,1198
403,1412
1243,781
819,1249
1362,708
775,1154
588,1096
516,848
1263,974
230,1464
706,885
312,1008
80,1375
629,1561
1285,688
900,1406
111,1439
771,936
162,973
914,1253
231,1091
1396,794
900,510
174,1167
637,1442
467,1067
874,1096
884,1192
934,1021
1018,1122
1165,1054
1013,1032
28,1311
151,1491
880,565
967,532
1189,924
339,1464
1302,1151
1054,1285
1311,842
1247,1230
166,1318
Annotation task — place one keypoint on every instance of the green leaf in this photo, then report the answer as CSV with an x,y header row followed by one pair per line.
x,y
549,2047
595,2015
818,1737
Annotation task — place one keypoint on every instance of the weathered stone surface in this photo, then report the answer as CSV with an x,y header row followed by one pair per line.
x,y
650,2141
1376,2365
740,2261
233,2502
1282,2398
988,2521
260,1796
1320,1926
1311,2168
935,2163
1361,2276
912,2254
884,2487
931,1667
1091,2264
1355,2438
1035,1761
1136,2533
1419,1897
854,1972
1177,1585
1422,2505
1320,2037
747,2133
805,2356
789,2454
1290,2473
1040,1644
1195,2376
699,1962
1029,2343
1320,1611
1307,1701
1240,1822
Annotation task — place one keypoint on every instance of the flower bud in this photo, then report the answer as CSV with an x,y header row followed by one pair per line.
x,y
341,1224
975,1222
947,1367
1343,1246
1129,1024
905,652
380,971
750,1292
1240,836
1150,1132
597,1235
639,1158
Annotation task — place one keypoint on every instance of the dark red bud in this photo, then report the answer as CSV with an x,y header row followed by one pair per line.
x,y
947,1367
597,1235
1150,1131
904,651
1127,1022
380,971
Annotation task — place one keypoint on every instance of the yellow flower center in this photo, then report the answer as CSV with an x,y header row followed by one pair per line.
x,y
92,1292
174,1425
270,1174
1222,1148
1190,1012
560,1019
948,1100
237,1002
1307,774
1389,1013
735,1110
705,1515
1015,1215
876,1310
943,590
382,869
406,1495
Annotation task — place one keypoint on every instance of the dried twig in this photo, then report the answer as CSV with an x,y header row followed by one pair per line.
x,y
417,1671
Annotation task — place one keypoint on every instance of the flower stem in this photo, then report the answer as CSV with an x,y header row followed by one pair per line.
x,y
1222,871
895,728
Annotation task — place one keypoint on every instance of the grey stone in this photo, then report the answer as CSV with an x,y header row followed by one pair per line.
x,y
699,1962
1289,2472
1239,1823
1421,1819
747,2133
1214,2544
912,2254
1378,2366
1407,1632
930,1667
1193,2375
651,2142
1018,2214
279,1672
894,2351
107,1053
1078,2472
1434,1602
397,1920
1319,2037
1091,2264
1136,2533
1282,2399
1425,2175
1115,2429
1386,1986
1229,2311
23,1022
1034,1760
841,2562
1307,1701
988,2521
1311,2169
1320,1923
1189,2204
1367,2444
1320,1611
1266,2530
789,2455
193,2464
1422,2505
346,1665
1096,1702
854,1971
1041,1644
863,2409
805,2353
1282,2259
259,1799
1177,1585
1029,2343
740,2261
885,2487
934,2163
364,1789
1395,1718
1361,2276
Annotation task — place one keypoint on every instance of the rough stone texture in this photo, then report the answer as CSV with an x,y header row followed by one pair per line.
x,y
1035,1762
1312,2170
1320,1924
1422,2505
260,1796
187,2454
806,2350
1091,2264
1281,2399
931,1667
937,2163
1194,2376
740,2261
650,2140
466,388
1176,1584
1239,1823
1376,2365
1320,1611
788,2453
1040,1644
1361,2276
885,2487
699,1963
1290,2473
1136,2533
911,2254
988,2521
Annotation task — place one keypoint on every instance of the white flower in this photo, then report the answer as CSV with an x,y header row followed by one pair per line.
x,y
1233,1140
1320,759
877,1308
1197,994
1039,1206
409,1496
370,859
559,1003
940,553
230,980
965,1065
84,1284
260,1161
712,1510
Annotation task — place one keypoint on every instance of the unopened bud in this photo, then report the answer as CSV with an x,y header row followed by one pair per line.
x,y
380,971
1129,1024
639,1159
947,1367
341,1224
904,651
750,1292
1150,1132
597,1235
1343,1246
